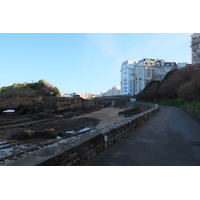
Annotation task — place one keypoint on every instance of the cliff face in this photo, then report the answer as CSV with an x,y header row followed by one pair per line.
x,y
75,104
28,105
17,103
41,97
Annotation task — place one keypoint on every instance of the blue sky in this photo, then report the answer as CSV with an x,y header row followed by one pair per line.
x,y
83,62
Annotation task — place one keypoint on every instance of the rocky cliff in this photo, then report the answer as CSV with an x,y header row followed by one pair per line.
x,y
28,105
41,97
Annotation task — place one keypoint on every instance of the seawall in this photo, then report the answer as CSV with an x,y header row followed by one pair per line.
x,y
82,149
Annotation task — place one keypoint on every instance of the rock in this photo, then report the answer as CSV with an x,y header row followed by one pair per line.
x,y
130,112
50,132
47,133
27,134
68,114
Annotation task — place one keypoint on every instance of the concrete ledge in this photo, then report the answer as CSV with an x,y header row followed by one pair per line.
x,y
82,149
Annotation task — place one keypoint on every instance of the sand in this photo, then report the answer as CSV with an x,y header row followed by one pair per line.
x,y
106,116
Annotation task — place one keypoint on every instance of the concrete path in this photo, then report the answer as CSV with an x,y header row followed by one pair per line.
x,y
170,138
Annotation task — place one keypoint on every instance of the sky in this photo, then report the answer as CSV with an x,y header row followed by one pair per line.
x,y
83,62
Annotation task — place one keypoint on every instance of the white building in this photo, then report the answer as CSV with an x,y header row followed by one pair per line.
x,y
66,94
195,45
115,90
102,94
127,76
82,95
135,75
183,64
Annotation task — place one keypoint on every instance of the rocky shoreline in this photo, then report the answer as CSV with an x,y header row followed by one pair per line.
x,y
21,136
34,124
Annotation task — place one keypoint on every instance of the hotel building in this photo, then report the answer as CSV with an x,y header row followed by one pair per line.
x,y
135,75
195,47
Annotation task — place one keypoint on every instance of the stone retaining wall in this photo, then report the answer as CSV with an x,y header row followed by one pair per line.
x,y
139,105
82,149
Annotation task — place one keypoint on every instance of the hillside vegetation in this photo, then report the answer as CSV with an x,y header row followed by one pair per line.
x,y
180,87
40,88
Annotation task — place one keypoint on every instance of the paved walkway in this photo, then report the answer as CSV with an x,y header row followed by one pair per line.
x,y
170,138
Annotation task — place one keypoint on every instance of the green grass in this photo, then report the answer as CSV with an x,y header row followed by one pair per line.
x,y
192,107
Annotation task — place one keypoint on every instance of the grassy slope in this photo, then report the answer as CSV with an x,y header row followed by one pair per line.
x,y
40,88
192,107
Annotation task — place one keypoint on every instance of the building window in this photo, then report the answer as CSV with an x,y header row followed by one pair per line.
x,y
167,64
148,73
153,72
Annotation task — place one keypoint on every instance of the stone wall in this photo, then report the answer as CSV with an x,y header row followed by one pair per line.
x,y
139,105
82,149
111,101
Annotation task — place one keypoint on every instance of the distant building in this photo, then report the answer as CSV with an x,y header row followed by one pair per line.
x,y
66,94
102,94
93,95
82,95
183,64
195,46
135,75
115,90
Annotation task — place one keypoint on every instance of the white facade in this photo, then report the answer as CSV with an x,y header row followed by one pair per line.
x,y
135,75
102,94
82,95
127,73
183,64
115,90
195,45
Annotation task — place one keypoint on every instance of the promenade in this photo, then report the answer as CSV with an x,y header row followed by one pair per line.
x,y
170,138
